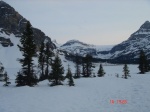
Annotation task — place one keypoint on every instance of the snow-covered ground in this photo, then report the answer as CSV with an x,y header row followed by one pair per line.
x,y
88,95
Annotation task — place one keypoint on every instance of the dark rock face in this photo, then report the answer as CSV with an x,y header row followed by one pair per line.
x,y
10,19
5,42
12,22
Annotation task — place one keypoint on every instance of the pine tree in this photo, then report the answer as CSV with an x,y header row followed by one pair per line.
x,y
146,65
142,61
28,49
83,67
20,79
48,59
101,72
87,66
6,79
126,72
77,67
69,77
57,72
1,72
117,75
41,61
149,67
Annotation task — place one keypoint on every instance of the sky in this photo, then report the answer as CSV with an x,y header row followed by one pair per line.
x,y
98,22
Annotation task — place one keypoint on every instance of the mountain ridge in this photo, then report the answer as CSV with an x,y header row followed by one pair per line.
x,y
12,22
126,51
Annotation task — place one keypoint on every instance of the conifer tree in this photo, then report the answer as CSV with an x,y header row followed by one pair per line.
x,y
6,79
83,67
101,72
57,72
28,49
1,72
87,66
69,77
142,61
20,79
126,72
77,67
41,61
48,59
146,65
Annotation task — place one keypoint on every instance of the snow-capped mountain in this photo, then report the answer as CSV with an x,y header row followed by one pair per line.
x,y
81,48
12,25
11,22
127,51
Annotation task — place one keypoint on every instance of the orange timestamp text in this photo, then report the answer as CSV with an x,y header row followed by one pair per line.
x,y
118,102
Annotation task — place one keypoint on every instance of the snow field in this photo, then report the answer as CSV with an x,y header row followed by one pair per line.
x,y
88,95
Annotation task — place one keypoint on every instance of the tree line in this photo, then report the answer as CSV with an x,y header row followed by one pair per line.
x,y
50,66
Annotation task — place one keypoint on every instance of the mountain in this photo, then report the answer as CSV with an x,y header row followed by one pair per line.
x,y
11,22
81,48
125,52
129,49
12,25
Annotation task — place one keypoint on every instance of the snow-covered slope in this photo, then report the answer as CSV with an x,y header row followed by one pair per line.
x,y
129,49
10,54
80,48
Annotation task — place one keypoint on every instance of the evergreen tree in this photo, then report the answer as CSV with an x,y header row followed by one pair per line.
x,y
57,72
69,77
149,67
41,61
48,59
126,72
6,79
88,59
87,66
142,61
28,49
83,67
20,79
146,65
101,72
117,75
1,72
77,67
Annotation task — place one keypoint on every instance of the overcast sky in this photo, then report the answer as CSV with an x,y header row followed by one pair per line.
x,y
99,22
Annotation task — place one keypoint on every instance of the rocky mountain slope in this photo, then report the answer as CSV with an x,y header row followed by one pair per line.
x,y
11,22
129,49
125,52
